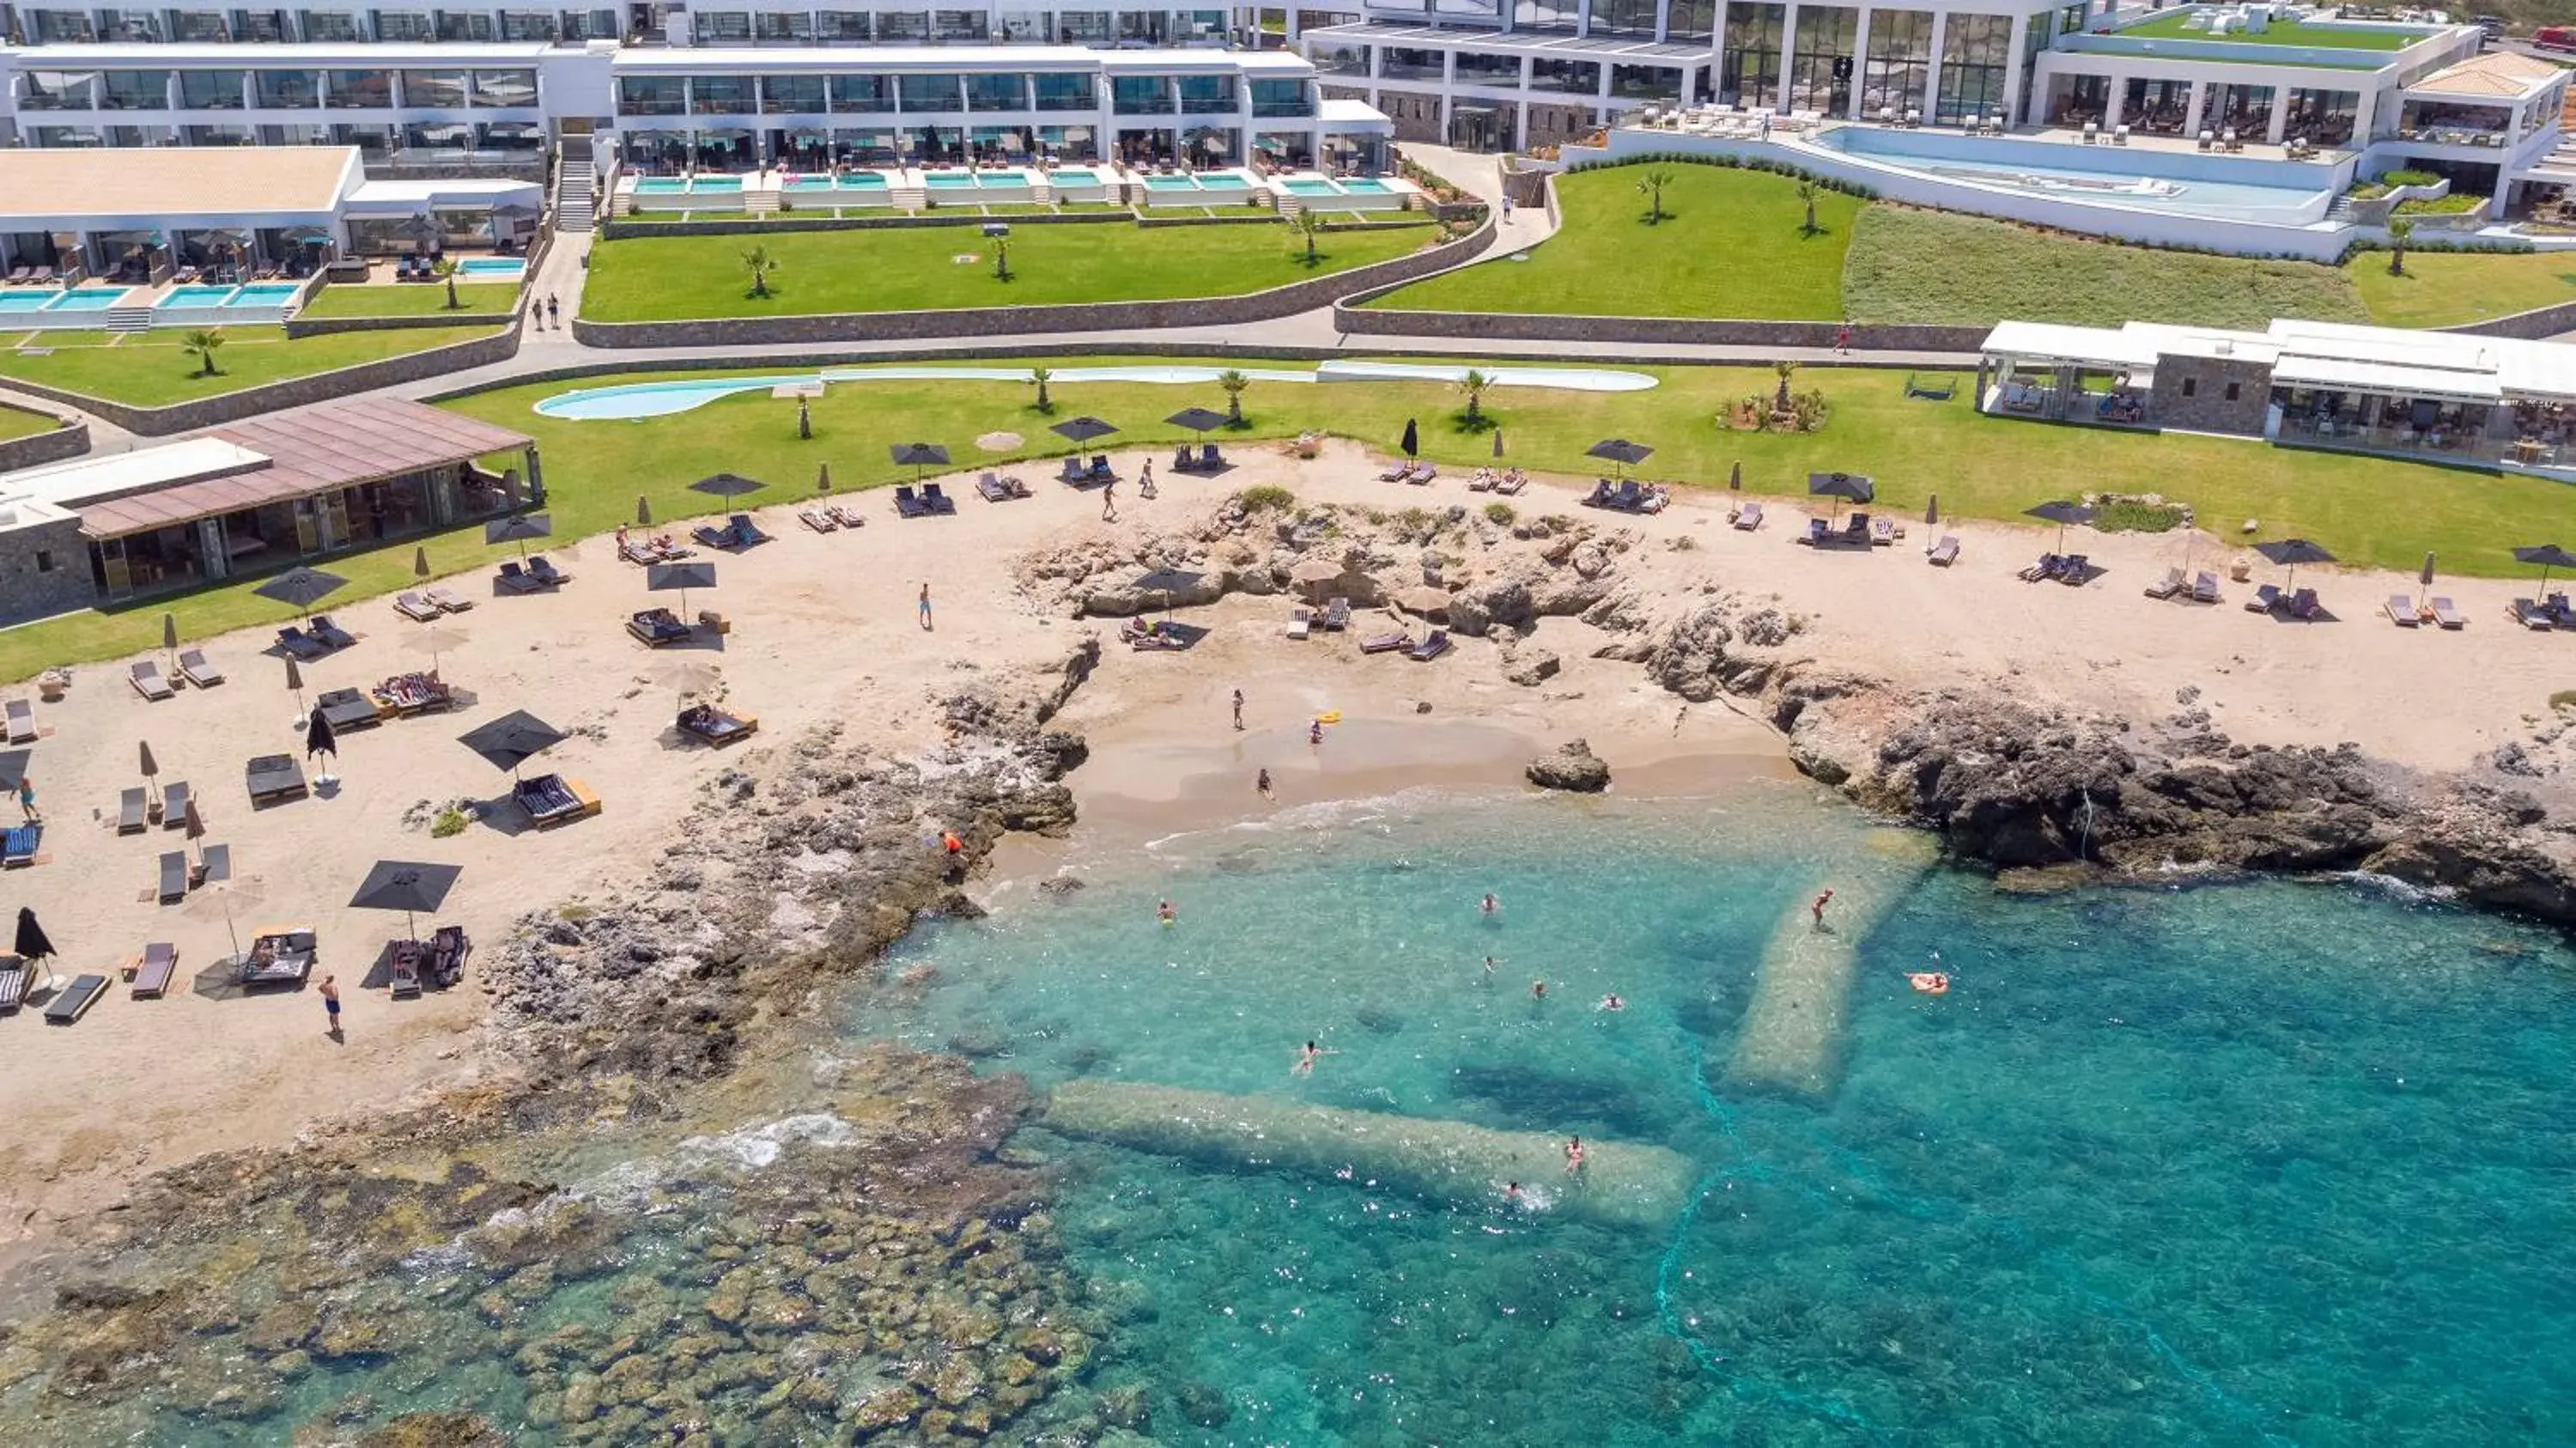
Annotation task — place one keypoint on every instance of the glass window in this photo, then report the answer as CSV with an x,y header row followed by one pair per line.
x,y
199,26
210,90
434,89
61,27
1473,69
1060,92
1082,27
1690,19
1025,27
1202,27
792,95
403,25
1623,17
1140,95
1646,82
783,26
930,93
328,27
967,25
1143,27
1397,62
505,87
2322,116
59,90
720,95
903,26
844,27
134,90
354,90
1820,62
1271,97
473,26
1578,77
1898,71
997,92
1976,59
589,24
1559,15
286,89
861,93
1749,75
266,27
130,26
528,25
718,27
2070,18
1206,94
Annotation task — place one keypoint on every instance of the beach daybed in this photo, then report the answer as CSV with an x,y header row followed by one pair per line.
x,y
301,645
416,608
908,506
1945,552
818,520
153,971
1432,646
2265,599
2303,605
448,600
412,694
347,709
22,721
2530,615
517,579
846,516
657,627
280,955
73,1001
553,799
2447,613
738,533
543,570
1150,635
13,983
2401,611
174,877
1387,643
328,634
1337,615
715,726
274,777
147,681
2204,589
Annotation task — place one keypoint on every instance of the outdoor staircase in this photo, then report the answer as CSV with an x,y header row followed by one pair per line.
x,y
909,198
129,319
573,209
1286,205
761,201
2340,214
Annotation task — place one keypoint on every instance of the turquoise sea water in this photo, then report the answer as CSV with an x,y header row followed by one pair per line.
x,y
2247,1163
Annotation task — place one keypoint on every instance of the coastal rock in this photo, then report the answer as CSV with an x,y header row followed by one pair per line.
x,y
1687,657
1570,766
1531,667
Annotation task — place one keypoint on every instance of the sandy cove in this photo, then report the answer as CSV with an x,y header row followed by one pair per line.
x,y
824,632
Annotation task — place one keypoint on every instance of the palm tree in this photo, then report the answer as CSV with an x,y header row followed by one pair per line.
x,y
1651,186
1807,194
2399,229
757,261
1233,381
203,342
1303,224
1039,377
1474,385
447,269
1786,370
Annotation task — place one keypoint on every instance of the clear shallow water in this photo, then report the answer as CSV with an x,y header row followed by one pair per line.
x,y
2258,1163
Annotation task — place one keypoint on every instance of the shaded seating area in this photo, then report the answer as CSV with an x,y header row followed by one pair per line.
x,y
658,628
738,533
413,694
274,778
716,726
1628,496
1159,634
554,799
280,955
347,709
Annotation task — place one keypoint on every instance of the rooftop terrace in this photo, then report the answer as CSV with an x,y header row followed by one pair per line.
x,y
2172,25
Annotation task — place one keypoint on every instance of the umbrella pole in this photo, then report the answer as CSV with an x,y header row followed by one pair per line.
x,y
228,925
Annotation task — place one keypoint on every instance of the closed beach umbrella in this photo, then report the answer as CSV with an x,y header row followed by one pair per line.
x,y
170,632
726,485
295,684
680,578
1082,429
1196,419
519,528
1932,511
301,587
1412,443
151,766
2060,513
919,455
1735,476
318,736
2548,556
2290,553
409,886
1620,453
2424,579
643,511
31,944
1498,442
193,824
420,563
512,740
822,477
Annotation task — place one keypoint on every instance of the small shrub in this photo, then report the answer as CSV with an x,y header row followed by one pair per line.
x,y
575,914
1500,514
1376,517
1683,544
2563,699
1267,498
2132,515
2452,205
450,821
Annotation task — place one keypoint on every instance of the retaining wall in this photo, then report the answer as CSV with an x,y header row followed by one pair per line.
x,y
2536,325
1284,301
294,392
625,229
69,440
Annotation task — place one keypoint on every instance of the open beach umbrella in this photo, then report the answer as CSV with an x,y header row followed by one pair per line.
x,y
1196,419
1412,443
2548,556
1619,452
687,676
1317,570
301,587
2060,513
919,455
1168,581
512,740
409,886
1082,429
668,577
434,640
2290,553
1425,599
519,528
726,485
1842,488
221,894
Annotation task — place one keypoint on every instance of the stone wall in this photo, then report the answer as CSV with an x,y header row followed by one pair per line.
x,y
1416,115
44,570
294,392
69,440
621,228
1284,301
2208,408
2537,325
1349,316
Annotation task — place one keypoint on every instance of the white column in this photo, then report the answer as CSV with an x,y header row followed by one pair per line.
x,y
1292,22
2365,109
1932,78
1860,65
2014,100
2280,125
2194,111
1521,106
2112,106
1448,79
1788,53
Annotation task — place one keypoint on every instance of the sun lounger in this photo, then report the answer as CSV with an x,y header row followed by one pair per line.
x,y
717,727
818,520
412,694
416,608
22,721
2531,615
74,1000
296,642
936,499
1100,471
517,579
274,777
448,952
1423,473
147,681
2447,613
402,968
1604,494
2048,566
1819,533
1301,624
1945,552
657,627
1883,532
1071,472
13,983
2204,589
174,805
448,599
2265,599
18,275
18,845
174,877
846,516
1511,483
1397,472
347,709
746,532
906,505
2401,611
280,957
1210,460
2167,586
1748,518
1386,643
131,805
2304,605
330,635
1337,615
1432,646
543,570
2076,571
152,974
994,489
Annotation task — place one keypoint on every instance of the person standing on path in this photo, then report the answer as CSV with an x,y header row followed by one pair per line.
x,y
1842,339
1238,711
925,608
1109,501
331,1005
1145,481
537,313
27,799
554,311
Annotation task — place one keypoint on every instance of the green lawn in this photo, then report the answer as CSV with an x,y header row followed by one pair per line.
x,y
652,279
2442,289
152,370
1910,265
412,299
17,422
1729,246
2368,511
2280,32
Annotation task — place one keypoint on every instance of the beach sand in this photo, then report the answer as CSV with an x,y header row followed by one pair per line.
x,y
824,632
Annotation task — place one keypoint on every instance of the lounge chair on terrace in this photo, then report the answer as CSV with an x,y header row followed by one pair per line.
x,y
1210,460
2531,615
328,634
1397,473
274,777
74,1001
1432,646
516,578
18,846
174,805
448,600
296,642
2167,586
147,681
174,877
2204,589
1386,643
846,516
937,500
543,570
153,972
906,505
1337,615
22,721
715,726
1748,518
1072,472
41,276
416,608
1301,623
1945,552
817,519
2401,611
18,275
130,805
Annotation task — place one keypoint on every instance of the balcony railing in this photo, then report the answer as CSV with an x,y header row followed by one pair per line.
x,y
1269,110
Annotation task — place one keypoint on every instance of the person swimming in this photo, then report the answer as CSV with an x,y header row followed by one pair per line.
x,y
1930,982
1611,1002
1512,1193
1489,965
1538,990
1573,1155
1307,1056
1165,913
1490,905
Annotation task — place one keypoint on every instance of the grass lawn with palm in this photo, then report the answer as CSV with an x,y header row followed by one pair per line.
x,y
656,279
1732,243
412,299
2382,513
2444,289
154,369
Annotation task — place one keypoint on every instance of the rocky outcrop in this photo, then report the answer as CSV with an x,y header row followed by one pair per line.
x,y
1570,766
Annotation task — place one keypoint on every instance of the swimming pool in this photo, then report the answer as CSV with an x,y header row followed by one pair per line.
x,y
2229,188
1170,183
266,294
88,299
630,401
660,185
1365,186
195,297
492,268
25,301
855,181
1309,186
1072,176
947,180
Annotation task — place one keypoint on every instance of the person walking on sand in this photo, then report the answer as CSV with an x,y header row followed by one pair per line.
x,y
1238,711
1262,784
330,989
1315,733
1109,501
1817,909
925,608
27,800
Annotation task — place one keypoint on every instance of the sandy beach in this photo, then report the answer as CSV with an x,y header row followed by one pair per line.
x,y
824,631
